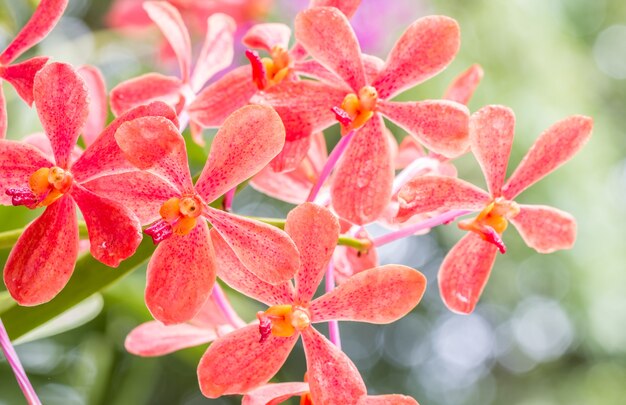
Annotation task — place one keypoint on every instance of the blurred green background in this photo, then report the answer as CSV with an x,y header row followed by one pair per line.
x,y
550,329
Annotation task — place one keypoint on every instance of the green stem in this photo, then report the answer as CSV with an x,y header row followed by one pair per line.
x,y
9,238
345,240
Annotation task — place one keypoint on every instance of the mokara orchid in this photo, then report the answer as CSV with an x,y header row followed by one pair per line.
x,y
21,75
466,268
247,358
179,92
43,259
181,272
240,85
363,179
216,318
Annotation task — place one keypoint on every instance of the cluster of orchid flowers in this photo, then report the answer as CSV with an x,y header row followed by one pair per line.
x,y
270,115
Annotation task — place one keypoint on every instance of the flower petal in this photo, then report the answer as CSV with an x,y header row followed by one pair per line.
x,y
155,339
462,88
554,147
333,378
348,7
40,24
98,110
18,161
44,256
104,157
440,125
327,36
545,229
266,36
465,271
430,193
22,76
171,24
292,154
247,141
266,251
154,143
394,399
237,276
304,106
62,104
379,295
312,68
114,231
144,90
315,231
491,132
180,276
141,192
218,100
363,180
217,50
275,393
425,49
349,261
238,362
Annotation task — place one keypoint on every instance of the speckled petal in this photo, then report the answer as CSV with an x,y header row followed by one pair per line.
x,y
379,295
18,161
44,256
465,271
143,90
425,49
180,276
271,394
156,339
238,362
363,178
332,376
315,230
545,229
217,50
22,76
237,276
292,154
393,399
554,147
463,86
266,36
98,106
266,251
3,114
348,7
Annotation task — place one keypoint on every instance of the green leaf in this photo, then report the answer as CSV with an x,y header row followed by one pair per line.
x,y
90,276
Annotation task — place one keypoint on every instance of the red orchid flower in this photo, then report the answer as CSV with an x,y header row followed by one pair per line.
x,y
179,92
238,87
269,394
465,270
363,179
21,75
183,264
212,321
247,358
43,258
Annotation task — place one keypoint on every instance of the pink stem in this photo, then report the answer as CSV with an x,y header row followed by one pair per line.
x,y
333,326
330,164
18,370
411,229
227,310
228,199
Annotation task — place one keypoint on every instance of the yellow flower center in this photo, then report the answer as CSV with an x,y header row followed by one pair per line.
x,y
48,184
283,320
492,221
181,213
277,66
359,108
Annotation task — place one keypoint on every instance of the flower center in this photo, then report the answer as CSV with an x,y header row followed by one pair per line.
x,y
267,72
355,109
492,221
46,185
283,321
178,216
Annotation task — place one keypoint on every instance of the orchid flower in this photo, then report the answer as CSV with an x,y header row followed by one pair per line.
x,y
247,358
181,272
277,393
43,258
21,75
465,270
240,85
363,179
216,318
179,92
